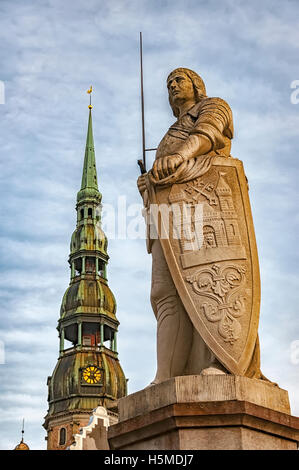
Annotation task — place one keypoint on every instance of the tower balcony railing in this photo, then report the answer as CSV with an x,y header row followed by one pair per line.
x,y
84,348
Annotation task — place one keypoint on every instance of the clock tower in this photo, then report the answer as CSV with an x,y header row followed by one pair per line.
x,y
88,373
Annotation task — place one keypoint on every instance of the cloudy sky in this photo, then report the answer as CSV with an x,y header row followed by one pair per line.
x,y
51,52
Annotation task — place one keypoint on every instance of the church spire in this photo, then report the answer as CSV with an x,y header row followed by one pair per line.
x,y
88,372
89,176
89,184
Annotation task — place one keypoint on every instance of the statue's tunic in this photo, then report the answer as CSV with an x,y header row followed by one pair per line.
x,y
211,118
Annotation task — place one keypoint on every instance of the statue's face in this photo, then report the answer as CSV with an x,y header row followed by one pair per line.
x,y
180,87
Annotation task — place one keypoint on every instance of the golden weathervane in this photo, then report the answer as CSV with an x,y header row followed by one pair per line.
x,y
89,92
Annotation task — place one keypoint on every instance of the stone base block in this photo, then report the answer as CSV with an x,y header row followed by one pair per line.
x,y
206,412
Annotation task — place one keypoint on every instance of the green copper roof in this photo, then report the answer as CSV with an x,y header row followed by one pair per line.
x,y
89,184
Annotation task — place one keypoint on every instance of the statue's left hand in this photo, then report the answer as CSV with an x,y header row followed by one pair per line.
x,y
166,166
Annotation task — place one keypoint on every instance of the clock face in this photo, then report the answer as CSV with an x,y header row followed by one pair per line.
x,y
92,375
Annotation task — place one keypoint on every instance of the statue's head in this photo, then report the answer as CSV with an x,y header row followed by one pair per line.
x,y
199,88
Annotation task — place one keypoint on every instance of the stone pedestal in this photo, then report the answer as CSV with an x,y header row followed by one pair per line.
x,y
206,412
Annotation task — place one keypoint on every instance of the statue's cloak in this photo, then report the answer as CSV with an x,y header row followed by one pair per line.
x,y
209,244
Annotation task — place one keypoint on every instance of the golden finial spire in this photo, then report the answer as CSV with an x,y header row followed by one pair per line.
x,y
22,445
89,92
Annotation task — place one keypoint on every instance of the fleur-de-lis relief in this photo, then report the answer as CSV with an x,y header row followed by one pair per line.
x,y
225,287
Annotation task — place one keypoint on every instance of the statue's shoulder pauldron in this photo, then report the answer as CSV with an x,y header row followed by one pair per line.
x,y
214,108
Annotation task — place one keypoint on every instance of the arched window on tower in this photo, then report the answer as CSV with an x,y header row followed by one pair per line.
x,y
90,265
89,212
91,334
62,436
78,266
82,214
101,271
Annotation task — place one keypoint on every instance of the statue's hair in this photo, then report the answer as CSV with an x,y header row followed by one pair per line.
x,y
198,85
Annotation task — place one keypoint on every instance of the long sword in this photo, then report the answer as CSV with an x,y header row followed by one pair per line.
x,y
142,163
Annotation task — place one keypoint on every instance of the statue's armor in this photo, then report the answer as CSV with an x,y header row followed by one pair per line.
x,y
211,117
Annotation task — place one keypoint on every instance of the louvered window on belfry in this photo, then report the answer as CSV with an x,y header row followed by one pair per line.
x,y
62,436
82,214
89,212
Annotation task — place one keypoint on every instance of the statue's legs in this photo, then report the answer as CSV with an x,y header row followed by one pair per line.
x,y
201,359
180,349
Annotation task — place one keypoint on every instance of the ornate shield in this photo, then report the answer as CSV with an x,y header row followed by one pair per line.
x,y
209,243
